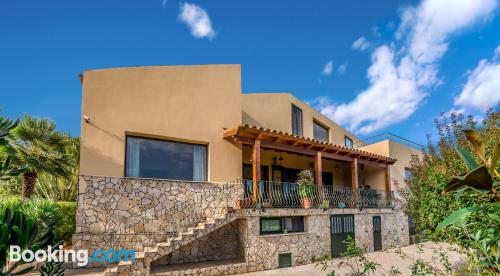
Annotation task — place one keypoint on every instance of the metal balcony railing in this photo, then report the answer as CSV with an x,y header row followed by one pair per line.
x,y
273,194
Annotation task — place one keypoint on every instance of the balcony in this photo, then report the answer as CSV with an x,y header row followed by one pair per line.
x,y
273,194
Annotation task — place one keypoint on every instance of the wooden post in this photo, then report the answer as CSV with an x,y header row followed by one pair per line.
x,y
354,174
256,169
387,172
354,182
318,169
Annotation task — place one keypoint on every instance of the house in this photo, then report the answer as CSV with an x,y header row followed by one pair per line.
x,y
196,176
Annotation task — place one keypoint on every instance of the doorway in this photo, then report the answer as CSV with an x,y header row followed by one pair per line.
x,y
341,227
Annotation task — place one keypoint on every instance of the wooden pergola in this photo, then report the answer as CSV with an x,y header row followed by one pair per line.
x,y
263,138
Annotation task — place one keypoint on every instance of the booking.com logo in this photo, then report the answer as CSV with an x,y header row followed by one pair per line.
x,y
80,257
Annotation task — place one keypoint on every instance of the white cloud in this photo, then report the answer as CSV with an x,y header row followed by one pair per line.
x,y
197,20
164,3
482,89
342,68
497,51
361,44
401,77
328,69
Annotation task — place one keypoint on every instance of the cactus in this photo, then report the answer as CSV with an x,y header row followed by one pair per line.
x,y
17,229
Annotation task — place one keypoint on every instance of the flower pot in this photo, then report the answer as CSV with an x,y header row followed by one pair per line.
x,y
326,204
307,203
243,203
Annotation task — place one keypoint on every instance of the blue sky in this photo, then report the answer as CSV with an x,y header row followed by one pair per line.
x,y
373,66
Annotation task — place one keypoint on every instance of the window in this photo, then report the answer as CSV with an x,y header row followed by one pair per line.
x,y
296,121
348,142
281,225
153,158
320,132
408,174
284,260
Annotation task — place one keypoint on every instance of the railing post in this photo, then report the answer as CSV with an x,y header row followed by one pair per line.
x,y
256,169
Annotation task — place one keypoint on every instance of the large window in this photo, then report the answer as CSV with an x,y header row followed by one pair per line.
x,y
152,158
296,121
348,142
320,132
281,225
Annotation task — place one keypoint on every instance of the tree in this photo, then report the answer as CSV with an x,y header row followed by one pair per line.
x,y
474,225
36,147
59,188
6,125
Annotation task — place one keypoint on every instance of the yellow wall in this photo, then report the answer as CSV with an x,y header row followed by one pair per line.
x,y
186,103
274,111
396,150
194,104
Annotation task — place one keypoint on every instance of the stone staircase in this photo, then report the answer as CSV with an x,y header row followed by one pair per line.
x,y
143,260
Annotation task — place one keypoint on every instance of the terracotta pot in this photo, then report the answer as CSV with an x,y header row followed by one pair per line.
x,y
307,203
243,203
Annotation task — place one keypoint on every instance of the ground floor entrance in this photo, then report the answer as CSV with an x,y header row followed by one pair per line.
x,y
341,227
377,233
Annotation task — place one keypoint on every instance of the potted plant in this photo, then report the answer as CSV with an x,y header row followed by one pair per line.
x,y
326,204
244,203
306,188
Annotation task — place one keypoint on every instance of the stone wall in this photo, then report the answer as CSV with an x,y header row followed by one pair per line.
x,y
222,244
121,212
261,251
110,209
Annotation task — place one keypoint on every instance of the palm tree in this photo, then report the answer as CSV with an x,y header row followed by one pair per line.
x,y
36,147
6,125
62,188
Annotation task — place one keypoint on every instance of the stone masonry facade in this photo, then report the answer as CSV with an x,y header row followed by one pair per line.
x,y
124,212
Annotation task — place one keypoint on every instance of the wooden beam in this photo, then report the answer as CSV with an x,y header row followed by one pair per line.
x,y
334,156
287,148
372,163
388,181
318,169
256,169
354,174
230,132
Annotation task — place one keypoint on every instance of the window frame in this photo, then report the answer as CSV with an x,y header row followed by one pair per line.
x,y
325,127
301,120
408,179
282,224
345,140
145,137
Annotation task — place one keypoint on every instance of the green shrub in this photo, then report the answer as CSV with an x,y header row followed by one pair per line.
x,y
44,213
68,211
427,203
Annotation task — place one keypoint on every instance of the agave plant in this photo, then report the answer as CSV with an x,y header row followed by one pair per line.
x,y
52,269
17,229
482,177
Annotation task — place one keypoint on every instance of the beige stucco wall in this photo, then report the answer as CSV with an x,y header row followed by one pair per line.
x,y
401,152
274,111
186,103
